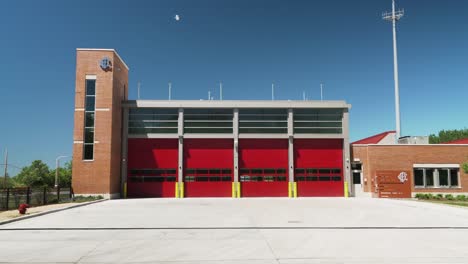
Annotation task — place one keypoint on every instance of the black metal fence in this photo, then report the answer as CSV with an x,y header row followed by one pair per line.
x,y
11,198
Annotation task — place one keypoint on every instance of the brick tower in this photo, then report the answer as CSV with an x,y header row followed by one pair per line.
x,y
101,86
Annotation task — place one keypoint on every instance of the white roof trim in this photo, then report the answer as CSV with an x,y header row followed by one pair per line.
x,y
436,165
236,104
113,50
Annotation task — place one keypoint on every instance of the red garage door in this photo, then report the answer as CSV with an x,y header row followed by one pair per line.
x,y
319,167
263,167
208,167
152,167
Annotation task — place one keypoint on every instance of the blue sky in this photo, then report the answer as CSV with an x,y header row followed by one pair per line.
x,y
245,44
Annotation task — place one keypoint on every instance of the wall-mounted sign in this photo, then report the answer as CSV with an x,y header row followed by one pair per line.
x,y
105,64
392,184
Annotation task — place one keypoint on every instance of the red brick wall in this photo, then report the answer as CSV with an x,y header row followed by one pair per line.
x,y
402,157
102,175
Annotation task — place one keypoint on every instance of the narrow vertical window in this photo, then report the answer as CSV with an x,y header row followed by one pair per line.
x,y
90,109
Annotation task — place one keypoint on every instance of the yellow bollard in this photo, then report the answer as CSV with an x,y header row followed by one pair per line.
x,y
125,190
234,190
238,190
295,189
181,190
346,193
176,190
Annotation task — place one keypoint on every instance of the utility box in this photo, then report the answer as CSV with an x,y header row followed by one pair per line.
x,y
414,140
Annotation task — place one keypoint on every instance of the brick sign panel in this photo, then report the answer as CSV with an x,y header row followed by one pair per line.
x,y
393,184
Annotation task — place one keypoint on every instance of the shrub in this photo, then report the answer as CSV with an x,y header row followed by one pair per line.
x,y
449,197
429,196
461,197
419,196
439,196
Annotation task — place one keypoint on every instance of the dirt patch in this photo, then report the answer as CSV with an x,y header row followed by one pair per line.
x,y
6,215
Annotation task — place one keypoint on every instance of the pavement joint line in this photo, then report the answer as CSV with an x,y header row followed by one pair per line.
x,y
49,212
242,228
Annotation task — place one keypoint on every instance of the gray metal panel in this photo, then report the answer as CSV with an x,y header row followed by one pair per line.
x,y
123,164
235,104
346,153
188,135
319,135
260,135
235,123
153,135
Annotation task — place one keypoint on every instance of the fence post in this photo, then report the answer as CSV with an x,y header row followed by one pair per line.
x,y
7,198
28,195
58,194
44,196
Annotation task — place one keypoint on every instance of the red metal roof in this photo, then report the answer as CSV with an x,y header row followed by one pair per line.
x,y
375,139
458,141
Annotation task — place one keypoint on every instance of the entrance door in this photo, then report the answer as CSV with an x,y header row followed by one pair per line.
x,y
357,180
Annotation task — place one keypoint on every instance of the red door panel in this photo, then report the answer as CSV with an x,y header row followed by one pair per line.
x,y
208,167
263,167
152,167
319,167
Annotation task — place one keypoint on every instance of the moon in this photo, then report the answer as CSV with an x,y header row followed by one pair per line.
x,y
177,17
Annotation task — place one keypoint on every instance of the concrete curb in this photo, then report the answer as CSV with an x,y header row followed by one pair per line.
x,y
49,212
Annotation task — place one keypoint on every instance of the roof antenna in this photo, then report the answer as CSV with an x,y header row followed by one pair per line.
x,y
220,91
138,96
321,91
272,91
170,91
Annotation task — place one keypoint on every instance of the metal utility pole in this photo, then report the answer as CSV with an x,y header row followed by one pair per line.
x,y
6,169
170,91
57,168
394,16
272,91
220,91
209,95
138,91
321,92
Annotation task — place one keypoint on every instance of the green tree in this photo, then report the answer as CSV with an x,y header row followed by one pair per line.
x,y
35,175
448,135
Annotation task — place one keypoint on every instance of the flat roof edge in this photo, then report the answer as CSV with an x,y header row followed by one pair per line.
x,y
236,103
113,50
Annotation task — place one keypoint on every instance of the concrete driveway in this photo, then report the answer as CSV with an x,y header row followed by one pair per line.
x,y
315,230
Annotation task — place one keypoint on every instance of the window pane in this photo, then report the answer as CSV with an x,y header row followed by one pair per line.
x,y
443,177
454,177
89,122
90,103
90,87
88,151
356,177
89,135
418,177
429,177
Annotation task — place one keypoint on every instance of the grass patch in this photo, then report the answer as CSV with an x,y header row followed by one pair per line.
x,y
82,199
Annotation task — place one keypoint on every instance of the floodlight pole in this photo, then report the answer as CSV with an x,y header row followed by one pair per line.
x,y
6,169
394,16
57,169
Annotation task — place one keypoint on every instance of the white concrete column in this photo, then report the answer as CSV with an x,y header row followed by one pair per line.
x,y
124,161
346,152
235,130
291,144
181,144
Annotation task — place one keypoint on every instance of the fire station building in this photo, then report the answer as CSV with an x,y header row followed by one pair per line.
x,y
201,148
216,148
